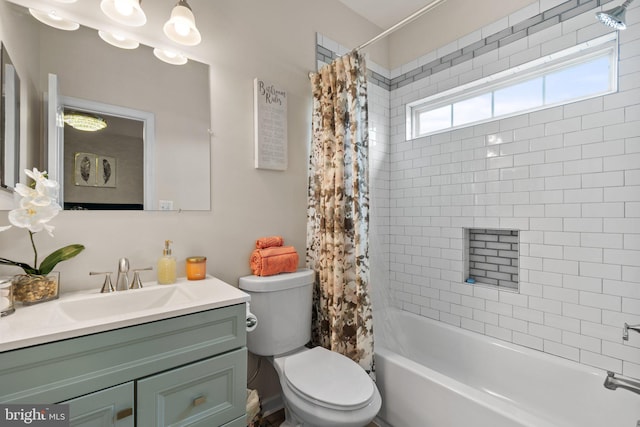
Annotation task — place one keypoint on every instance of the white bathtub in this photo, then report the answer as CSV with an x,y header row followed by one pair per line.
x,y
438,375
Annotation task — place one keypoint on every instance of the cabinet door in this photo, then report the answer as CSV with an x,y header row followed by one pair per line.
x,y
204,394
112,407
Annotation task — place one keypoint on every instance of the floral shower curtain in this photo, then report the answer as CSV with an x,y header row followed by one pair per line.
x,y
338,210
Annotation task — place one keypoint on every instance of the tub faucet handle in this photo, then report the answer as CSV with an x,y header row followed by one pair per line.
x,y
107,286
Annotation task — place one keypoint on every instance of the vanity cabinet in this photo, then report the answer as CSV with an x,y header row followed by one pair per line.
x,y
183,371
105,408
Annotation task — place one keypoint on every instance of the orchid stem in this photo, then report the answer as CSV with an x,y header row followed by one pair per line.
x,y
35,251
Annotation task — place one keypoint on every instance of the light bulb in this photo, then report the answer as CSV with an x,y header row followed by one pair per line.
x,y
182,27
124,7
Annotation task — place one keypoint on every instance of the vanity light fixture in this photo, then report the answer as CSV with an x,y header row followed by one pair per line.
x,y
127,12
181,26
118,40
54,20
170,57
84,122
614,18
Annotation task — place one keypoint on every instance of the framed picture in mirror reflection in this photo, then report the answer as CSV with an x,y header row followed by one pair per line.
x,y
93,170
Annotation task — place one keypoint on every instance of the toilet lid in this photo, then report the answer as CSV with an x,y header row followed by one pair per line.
x,y
329,378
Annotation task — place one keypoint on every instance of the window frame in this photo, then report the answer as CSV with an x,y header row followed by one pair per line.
x,y
603,46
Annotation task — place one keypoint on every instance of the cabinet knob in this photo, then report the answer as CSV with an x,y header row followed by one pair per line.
x,y
124,413
199,400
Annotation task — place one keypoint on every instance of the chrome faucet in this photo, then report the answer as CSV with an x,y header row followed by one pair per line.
x,y
122,280
625,330
612,383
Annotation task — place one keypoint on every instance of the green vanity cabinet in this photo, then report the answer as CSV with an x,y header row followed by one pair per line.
x,y
182,371
112,407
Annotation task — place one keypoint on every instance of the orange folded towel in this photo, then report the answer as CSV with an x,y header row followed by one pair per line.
x,y
269,242
274,260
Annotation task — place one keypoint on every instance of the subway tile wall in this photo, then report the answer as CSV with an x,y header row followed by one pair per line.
x,y
567,178
492,257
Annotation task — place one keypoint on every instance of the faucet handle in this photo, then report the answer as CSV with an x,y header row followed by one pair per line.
x,y
107,286
136,283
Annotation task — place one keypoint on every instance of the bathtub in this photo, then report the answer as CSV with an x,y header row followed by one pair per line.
x,y
434,374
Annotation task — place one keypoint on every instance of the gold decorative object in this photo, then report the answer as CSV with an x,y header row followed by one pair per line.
x,y
33,289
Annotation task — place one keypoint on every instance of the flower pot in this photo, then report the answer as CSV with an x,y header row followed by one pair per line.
x,y
33,289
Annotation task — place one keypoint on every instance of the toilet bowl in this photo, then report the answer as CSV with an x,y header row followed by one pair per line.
x,y
320,388
324,388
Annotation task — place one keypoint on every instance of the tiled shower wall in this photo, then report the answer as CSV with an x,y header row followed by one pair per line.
x,y
567,178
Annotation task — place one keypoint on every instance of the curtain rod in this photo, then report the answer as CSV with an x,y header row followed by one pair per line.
x,y
402,23
399,25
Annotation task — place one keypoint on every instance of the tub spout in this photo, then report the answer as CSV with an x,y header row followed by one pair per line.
x,y
625,330
612,383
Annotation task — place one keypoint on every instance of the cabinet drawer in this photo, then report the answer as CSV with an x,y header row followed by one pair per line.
x,y
65,369
207,393
112,407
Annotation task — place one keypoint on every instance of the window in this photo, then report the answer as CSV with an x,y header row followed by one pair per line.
x,y
581,72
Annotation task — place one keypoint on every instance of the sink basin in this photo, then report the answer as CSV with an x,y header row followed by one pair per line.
x,y
120,303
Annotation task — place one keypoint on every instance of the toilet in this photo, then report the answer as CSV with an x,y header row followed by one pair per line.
x,y
319,387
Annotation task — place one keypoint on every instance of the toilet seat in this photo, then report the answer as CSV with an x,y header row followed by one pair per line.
x,y
328,379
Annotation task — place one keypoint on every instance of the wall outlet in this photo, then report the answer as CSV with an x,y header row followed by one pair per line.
x,y
166,205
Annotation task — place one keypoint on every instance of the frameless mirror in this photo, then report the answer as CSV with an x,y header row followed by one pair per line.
x,y
176,165
9,122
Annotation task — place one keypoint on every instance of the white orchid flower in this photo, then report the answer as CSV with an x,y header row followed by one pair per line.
x,y
44,186
6,227
32,195
36,207
34,217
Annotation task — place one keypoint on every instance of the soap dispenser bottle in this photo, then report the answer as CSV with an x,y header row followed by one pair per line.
x,y
167,266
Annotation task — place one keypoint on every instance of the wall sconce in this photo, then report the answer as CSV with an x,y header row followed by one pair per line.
x,y
54,20
127,12
170,57
117,40
181,26
614,18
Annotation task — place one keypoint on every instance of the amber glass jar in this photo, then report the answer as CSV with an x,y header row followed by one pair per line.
x,y
196,267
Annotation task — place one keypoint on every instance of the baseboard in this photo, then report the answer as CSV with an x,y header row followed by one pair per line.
x,y
271,405
381,423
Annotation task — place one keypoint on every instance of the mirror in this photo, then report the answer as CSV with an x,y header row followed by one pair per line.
x,y
9,122
177,97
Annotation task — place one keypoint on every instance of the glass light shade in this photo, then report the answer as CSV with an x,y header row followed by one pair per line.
x,y
126,12
85,122
181,26
170,57
118,40
54,20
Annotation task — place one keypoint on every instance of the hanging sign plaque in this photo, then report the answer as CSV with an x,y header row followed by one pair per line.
x,y
270,126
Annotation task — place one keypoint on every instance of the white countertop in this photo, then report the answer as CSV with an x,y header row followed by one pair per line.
x,y
86,312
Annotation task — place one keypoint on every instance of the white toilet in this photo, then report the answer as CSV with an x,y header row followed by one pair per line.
x,y
320,387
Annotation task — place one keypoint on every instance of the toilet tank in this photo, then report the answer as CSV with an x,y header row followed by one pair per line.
x,y
282,304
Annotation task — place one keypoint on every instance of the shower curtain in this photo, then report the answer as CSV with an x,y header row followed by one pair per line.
x,y
338,210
